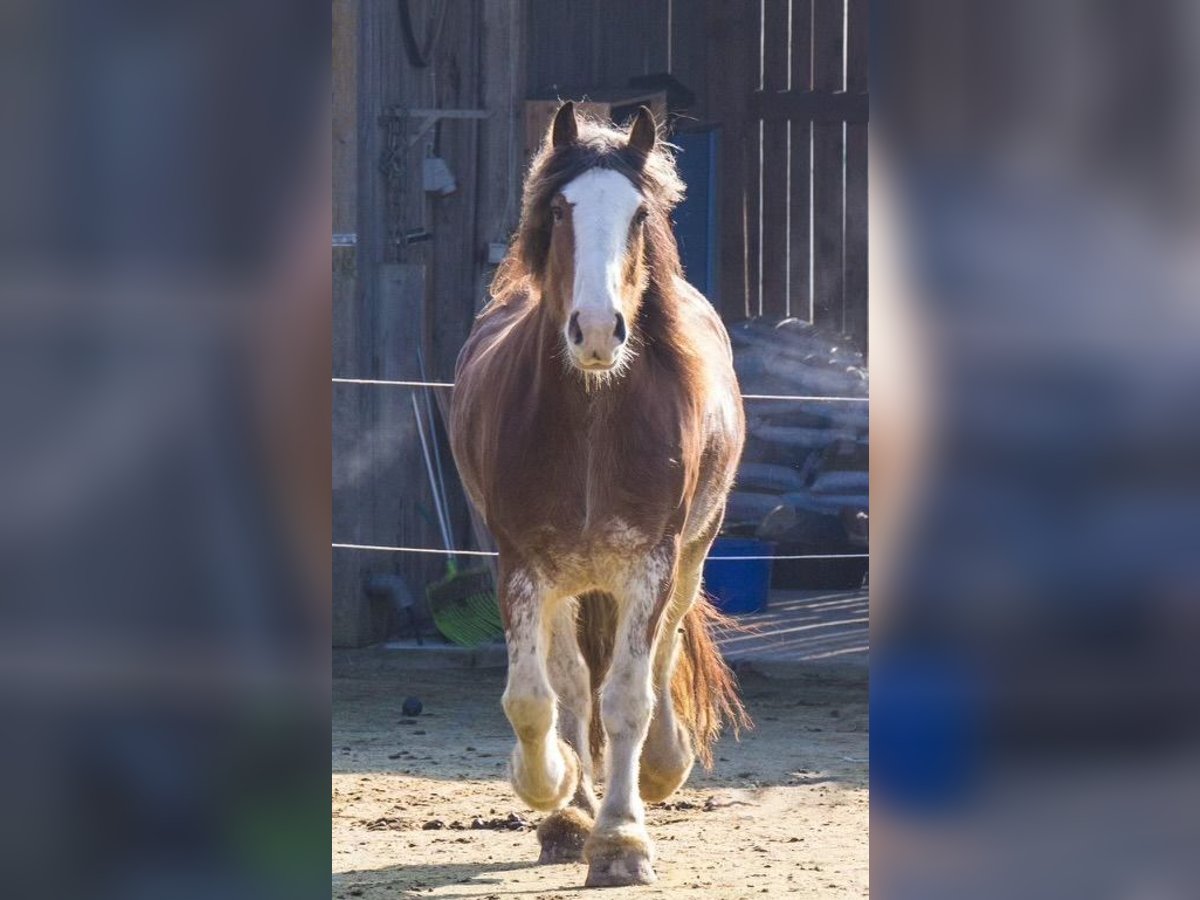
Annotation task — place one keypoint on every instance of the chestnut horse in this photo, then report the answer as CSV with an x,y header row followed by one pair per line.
x,y
597,425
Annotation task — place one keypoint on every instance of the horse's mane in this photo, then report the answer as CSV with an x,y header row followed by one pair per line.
x,y
598,145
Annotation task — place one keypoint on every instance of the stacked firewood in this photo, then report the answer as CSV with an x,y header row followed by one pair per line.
x,y
802,483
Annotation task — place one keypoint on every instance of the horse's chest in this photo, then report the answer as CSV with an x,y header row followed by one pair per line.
x,y
578,479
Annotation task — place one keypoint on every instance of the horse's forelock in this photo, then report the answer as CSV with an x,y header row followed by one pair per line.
x,y
598,146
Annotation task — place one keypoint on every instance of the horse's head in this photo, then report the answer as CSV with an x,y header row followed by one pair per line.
x,y
596,268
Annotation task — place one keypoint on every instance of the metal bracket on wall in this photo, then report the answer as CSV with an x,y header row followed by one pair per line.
x,y
428,118
397,170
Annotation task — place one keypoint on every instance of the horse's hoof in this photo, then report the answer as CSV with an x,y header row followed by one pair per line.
x,y
563,834
617,859
621,871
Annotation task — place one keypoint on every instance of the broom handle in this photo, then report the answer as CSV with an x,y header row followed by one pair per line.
x,y
432,481
437,453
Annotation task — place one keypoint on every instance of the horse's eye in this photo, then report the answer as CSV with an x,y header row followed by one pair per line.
x,y
556,212
642,216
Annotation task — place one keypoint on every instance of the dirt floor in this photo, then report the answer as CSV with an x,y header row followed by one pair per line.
x,y
422,807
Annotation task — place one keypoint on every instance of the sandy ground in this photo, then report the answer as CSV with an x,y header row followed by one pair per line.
x,y
783,811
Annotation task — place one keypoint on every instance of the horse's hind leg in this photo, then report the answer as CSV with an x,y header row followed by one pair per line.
x,y
668,755
562,834
545,771
619,851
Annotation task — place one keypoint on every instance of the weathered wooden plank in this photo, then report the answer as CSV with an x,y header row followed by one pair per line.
x,y
379,486
631,39
752,141
501,162
451,303
800,168
858,38
802,22
827,107
857,228
381,495
774,234
398,508
345,131
353,411
562,47
656,35
692,58
856,235
728,34
458,258
345,179
827,169
827,225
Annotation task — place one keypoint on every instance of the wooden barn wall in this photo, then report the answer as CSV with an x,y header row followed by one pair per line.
x,y
581,45
775,76
398,304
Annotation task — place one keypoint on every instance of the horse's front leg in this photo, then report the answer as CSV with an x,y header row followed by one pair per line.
x,y
545,771
563,834
619,851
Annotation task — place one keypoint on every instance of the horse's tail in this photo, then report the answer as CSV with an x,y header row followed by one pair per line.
x,y
703,688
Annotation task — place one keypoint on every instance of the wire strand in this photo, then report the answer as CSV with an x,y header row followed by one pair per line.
x,y
385,383
439,552
449,384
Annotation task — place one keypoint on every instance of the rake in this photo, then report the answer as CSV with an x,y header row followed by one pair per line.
x,y
463,603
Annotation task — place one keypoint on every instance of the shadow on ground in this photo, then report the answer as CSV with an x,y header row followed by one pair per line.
x,y
416,880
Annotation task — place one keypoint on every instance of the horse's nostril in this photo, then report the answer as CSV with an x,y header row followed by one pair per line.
x,y
574,330
619,331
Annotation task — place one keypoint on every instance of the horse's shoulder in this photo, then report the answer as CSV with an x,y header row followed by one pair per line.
x,y
491,325
701,314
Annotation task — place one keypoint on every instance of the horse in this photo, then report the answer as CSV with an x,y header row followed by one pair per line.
x,y
597,423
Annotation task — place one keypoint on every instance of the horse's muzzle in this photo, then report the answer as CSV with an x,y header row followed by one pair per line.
x,y
595,338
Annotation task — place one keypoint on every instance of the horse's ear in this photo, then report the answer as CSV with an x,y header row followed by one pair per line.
x,y
565,129
642,133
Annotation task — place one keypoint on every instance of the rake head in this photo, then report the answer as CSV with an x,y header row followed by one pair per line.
x,y
464,609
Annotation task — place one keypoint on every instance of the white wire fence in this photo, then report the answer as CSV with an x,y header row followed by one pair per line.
x,y
381,382
449,384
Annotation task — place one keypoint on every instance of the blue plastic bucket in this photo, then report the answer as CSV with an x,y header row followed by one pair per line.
x,y
738,586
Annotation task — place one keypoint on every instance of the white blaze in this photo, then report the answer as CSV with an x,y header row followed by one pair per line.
x,y
603,205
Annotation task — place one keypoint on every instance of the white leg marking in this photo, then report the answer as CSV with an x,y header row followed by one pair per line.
x,y
668,755
541,774
569,678
627,699
572,682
